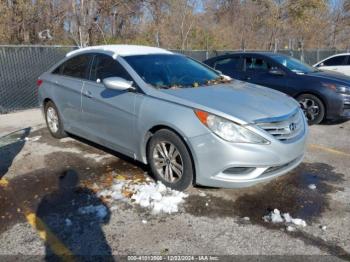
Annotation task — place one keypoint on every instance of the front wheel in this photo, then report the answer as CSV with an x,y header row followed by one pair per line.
x,y
169,160
313,108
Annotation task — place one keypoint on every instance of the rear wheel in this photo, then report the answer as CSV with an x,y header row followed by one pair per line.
x,y
53,120
313,108
169,160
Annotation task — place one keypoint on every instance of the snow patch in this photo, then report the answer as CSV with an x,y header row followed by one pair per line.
x,y
154,196
158,197
32,139
290,229
312,186
275,216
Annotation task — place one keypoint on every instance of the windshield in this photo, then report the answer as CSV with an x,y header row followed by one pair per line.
x,y
172,71
293,64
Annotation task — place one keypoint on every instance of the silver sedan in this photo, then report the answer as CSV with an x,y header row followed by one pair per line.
x,y
188,122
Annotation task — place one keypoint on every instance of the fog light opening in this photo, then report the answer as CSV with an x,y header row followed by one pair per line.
x,y
238,170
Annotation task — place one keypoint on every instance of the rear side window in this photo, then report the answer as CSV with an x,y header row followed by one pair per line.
x,y
335,61
75,67
256,64
227,65
105,66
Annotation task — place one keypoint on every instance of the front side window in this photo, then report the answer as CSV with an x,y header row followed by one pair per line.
x,y
293,64
105,66
256,64
334,61
172,71
227,65
75,67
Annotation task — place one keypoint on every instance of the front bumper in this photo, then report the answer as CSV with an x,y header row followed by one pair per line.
x,y
214,159
338,106
346,107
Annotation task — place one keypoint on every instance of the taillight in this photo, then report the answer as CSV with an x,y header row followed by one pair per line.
x,y
39,82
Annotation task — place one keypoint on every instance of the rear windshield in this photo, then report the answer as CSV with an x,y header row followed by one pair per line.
x,y
172,71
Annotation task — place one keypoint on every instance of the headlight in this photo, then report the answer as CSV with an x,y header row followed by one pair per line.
x,y
229,130
337,88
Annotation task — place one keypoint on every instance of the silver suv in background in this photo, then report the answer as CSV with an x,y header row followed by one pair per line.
x,y
184,119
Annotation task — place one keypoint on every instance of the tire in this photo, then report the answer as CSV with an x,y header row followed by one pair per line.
x,y
313,108
54,125
167,169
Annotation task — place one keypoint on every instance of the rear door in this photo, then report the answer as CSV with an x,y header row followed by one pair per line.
x,y
336,63
229,65
258,69
68,78
109,115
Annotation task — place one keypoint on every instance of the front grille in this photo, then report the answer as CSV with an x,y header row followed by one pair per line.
x,y
285,128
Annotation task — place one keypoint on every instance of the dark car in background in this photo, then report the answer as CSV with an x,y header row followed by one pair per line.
x,y
321,94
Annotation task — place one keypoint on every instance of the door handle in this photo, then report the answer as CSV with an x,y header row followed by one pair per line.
x,y
87,94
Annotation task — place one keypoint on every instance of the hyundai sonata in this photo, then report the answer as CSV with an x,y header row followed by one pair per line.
x,y
186,121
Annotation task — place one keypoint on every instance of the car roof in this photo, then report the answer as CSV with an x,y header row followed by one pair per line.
x,y
335,55
338,55
121,50
265,53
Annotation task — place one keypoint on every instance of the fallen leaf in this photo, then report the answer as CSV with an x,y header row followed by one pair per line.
x,y
4,182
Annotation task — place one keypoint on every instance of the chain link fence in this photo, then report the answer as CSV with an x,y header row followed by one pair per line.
x,y
20,67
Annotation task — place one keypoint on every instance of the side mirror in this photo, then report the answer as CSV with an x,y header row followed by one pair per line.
x,y
276,71
117,83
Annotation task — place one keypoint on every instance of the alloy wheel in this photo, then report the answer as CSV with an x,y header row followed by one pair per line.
x,y
168,161
310,108
52,119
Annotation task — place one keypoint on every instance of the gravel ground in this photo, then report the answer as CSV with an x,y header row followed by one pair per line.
x,y
210,222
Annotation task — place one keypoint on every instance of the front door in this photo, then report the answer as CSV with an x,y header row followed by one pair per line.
x,y
258,70
109,115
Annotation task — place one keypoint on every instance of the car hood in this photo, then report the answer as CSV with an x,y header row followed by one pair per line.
x,y
326,75
239,101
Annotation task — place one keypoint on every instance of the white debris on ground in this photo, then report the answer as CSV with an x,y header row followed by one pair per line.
x,y
97,157
144,221
202,194
312,186
246,218
32,139
323,228
275,216
154,196
290,229
100,211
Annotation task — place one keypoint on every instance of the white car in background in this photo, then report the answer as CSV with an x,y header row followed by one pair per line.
x,y
339,63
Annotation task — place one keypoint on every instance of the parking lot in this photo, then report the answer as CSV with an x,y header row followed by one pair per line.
x,y
46,184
